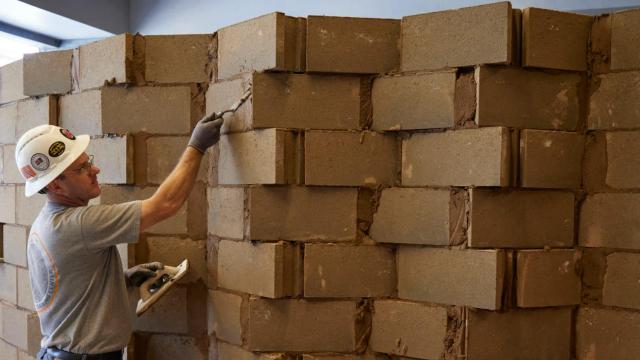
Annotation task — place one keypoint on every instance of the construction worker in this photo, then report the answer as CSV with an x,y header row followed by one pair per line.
x,y
79,287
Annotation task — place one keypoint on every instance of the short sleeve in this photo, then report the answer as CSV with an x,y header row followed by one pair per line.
x,y
103,226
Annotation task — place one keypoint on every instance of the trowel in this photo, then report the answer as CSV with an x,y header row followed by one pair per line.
x,y
153,288
233,108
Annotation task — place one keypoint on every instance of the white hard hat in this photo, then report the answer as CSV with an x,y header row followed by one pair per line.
x,y
44,152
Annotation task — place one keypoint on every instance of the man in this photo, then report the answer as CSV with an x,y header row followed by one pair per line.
x,y
78,284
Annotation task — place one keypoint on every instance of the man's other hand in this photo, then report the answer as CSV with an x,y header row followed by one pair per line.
x,y
138,274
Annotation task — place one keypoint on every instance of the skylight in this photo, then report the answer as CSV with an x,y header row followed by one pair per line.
x,y
12,49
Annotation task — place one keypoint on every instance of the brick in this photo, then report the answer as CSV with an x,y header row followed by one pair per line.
x,y
367,356
267,156
168,315
157,110
337,271
621,287
231,352
25,299
11,82
476,157
8,120
21,329
109,60
25,356
177,58
57,67
456,277
610,220
456,38
624,34
2,307
540,334
528,99
409,102
305,326
15,244
226,310
34,112
352,45
172,251
551,159
302,213
293,101
8,351
409,329
274,267
554,39
8,199
547,278
594,163
8,285
607,334
419,216
521,219
600,44
114,156
623,158
269,42
168,347
349,158
10,173
612,102
226,212
163,154
28,208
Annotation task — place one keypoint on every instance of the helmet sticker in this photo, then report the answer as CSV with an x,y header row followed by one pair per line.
x,y
56,149
40,161
66,133
28,172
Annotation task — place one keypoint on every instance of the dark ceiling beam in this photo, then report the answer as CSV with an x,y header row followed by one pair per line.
x,y
27,34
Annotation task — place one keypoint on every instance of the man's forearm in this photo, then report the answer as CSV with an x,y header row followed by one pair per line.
x,y
175,189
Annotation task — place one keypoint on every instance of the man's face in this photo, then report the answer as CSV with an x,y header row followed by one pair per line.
x,y
79,181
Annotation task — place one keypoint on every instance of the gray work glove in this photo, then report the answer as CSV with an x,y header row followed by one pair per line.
x,y
136,275
206,133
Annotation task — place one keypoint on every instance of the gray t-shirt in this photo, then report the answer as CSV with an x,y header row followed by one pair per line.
x,y
77,278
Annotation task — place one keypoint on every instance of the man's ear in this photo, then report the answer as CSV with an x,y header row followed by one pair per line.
x,y
54,187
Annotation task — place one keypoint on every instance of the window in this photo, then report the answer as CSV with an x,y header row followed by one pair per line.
x,y
12,49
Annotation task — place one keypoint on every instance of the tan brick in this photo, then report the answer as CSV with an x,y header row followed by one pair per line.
x,y
25,356
337,271
34,112
21,329
600,44
11,82
283,325
267,156
612,103
455,277
302,213
25,299
109,60
547,278
623,159
28,208
418,216
172,251
521,219
8,351
168,315
554,39
177,58
269,42
407,102
163,153
607,334
15,244
57,67
621,287
455,38
337,356
275,268
409,329
551,159
158,110
8,199
540,334
171,347
610,220
231,352
114,156
352,45
349,158
226,212
226,311
528,99
8,283
624,33
10,173
2,306
476,157
8,121
594,163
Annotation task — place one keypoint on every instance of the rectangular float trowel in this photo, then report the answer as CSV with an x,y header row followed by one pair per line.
x,y
153,288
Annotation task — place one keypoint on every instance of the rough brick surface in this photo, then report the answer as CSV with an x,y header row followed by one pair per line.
x,y
269,42
554,39
623,158
607,334
176,58
521,219
11,82
21,328
406,102
540,334
551,159
621,287
352,45
302,213
25,299
11,352
349,158
8,283
8,199
171,347
456,277
57,67
226,212
612,104
172,251
610,220
226,309
409,329
454,38
298,325
547,278
9,169
15,244
232,352
477,157
625,32
107,60
8,120
163,153
169,314
114,156
528,99
336,271
34,112
28,208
